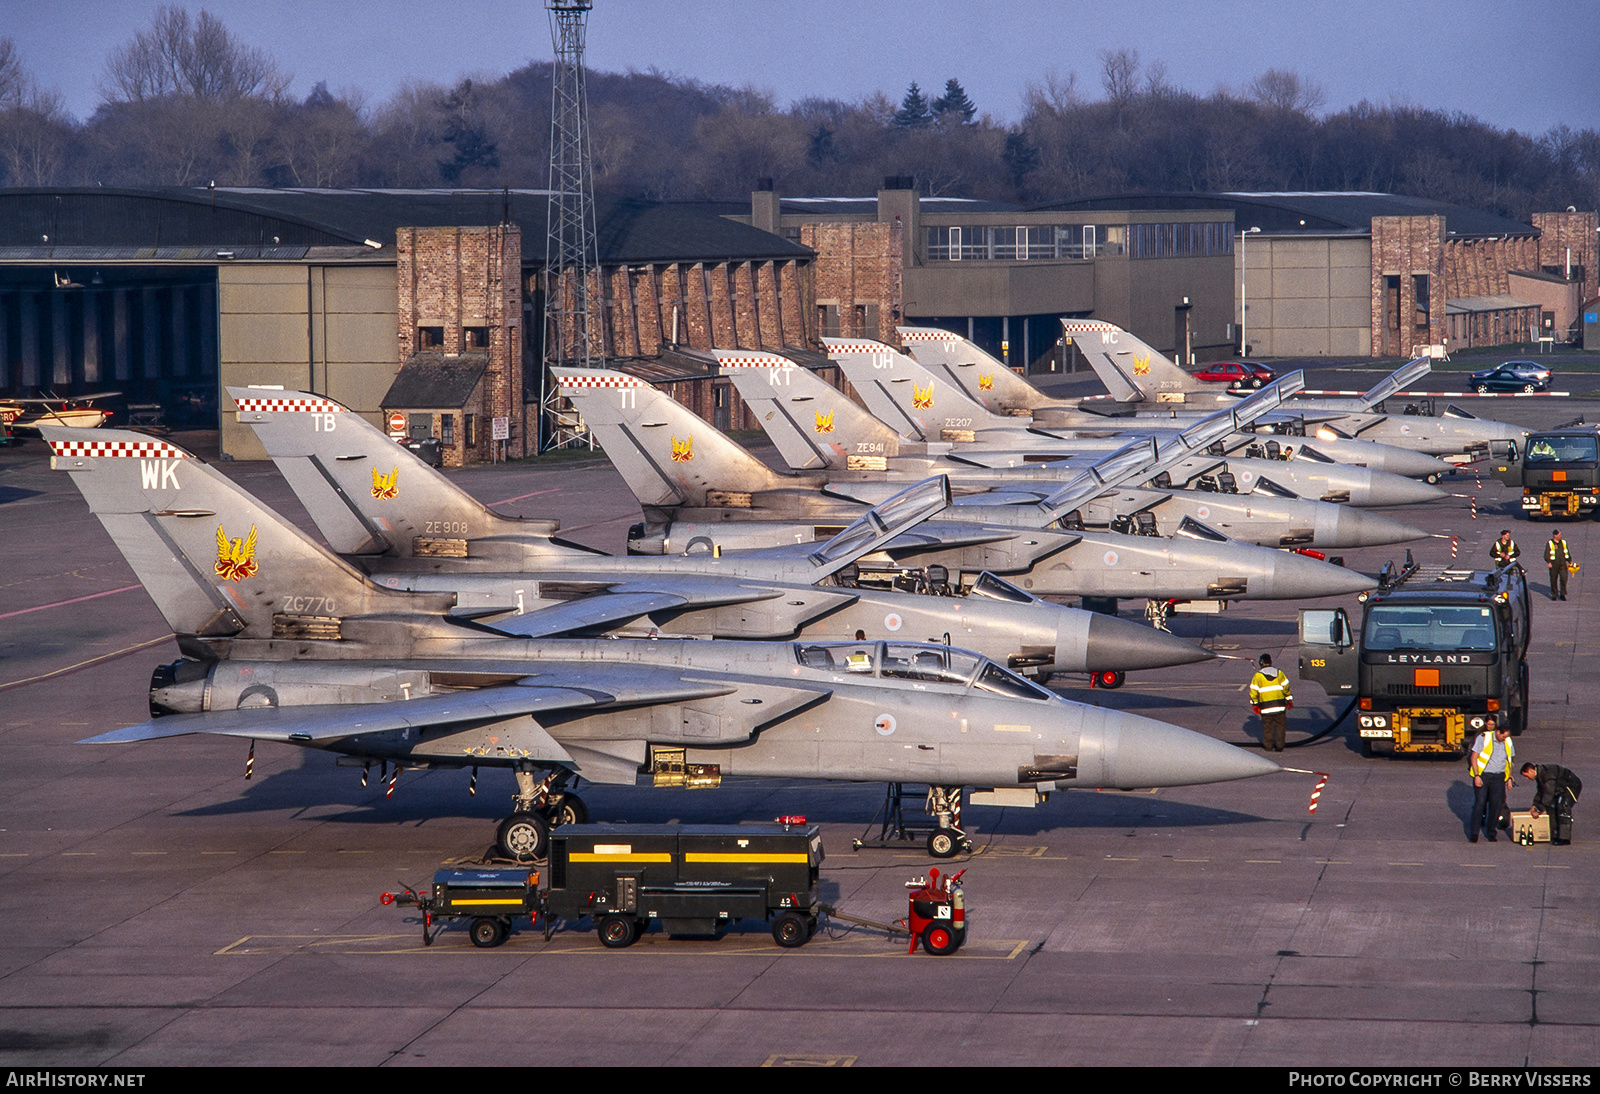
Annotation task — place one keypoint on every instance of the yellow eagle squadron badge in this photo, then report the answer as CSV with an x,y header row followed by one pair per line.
x,y
236,558
683,451
384,487
985,381
825,422
1141,365
922,398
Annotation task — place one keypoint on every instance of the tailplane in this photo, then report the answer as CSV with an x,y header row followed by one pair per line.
x,y
813,424
668,455
367,494
909,398
981,377
216,561
1132,371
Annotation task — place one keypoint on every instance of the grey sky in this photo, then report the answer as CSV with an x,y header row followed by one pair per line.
x,y
1522,64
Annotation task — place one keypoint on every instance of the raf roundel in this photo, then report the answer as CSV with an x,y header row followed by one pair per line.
x,y
885,725
1111,558
1247,476
1204,512
892,621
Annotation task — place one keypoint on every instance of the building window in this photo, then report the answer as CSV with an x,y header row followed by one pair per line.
x,y
430,338
1419,289
471,430
447,430
828,320
475,337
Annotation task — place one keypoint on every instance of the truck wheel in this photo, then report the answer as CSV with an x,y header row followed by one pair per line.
x,y
789,930
617,931
944,843
487,933
939,940
523,837
570,811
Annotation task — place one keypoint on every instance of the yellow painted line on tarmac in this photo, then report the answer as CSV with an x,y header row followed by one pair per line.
x,y
14,854
219,852
1265,861
1334,862
1407,864
1552,867
285,852
1114,858
1191,860
149,852
89,854
1017,950
1478,865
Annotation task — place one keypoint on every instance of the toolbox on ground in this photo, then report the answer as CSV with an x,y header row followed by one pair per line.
x,y
693,879
1538,828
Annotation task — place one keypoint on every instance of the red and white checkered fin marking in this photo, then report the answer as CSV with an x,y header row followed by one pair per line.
x,y
306,406
600,381
751,360
1087,326
144,450
926,336
853,345
1316,791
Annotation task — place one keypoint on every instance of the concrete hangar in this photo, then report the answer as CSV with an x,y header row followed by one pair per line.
x,y
1370,274
423,303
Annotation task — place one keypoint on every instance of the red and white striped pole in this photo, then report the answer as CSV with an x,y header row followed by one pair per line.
x,y
1455,542
1316,791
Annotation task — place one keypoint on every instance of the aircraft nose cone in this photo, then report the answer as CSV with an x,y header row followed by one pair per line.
x,y
1390,489
1120,644
1359,528
1135,752
1415,465
1297,576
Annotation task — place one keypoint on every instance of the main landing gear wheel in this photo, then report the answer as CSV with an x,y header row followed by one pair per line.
x,y
488,933
944,843
1109,680
523,837
571,810
617,931
939,940
790,930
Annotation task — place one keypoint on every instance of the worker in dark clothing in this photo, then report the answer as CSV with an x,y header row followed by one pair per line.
x,y
1504,550
1556,791
1558,556
1490,767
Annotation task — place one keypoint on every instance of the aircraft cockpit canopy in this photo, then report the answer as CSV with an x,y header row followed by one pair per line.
x,y
918,661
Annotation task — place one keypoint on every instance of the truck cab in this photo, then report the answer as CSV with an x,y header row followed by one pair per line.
x,y
1439,655
1558,470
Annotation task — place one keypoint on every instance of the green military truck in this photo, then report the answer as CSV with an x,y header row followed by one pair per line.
x,y
1440,654
693,879
1558,470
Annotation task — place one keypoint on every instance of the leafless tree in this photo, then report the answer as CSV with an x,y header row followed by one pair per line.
x,y
13,80
195,58
1052,93
1281,89
1119,73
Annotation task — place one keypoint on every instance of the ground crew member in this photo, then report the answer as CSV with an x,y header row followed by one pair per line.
x,y
1556,791
1270,698
1557,556
1504,549
1490,768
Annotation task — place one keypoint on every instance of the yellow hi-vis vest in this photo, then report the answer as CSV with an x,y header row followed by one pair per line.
x,y
1480,759
1269,692
1557,551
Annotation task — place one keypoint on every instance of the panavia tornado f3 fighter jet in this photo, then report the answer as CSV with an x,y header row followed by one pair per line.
x,y
276,650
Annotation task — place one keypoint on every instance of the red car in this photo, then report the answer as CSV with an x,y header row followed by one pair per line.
x,y
1236,374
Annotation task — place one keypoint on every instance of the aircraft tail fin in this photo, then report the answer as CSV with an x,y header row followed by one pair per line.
x,y
908,397
668,455
1132,371
981,377
813,423
367,494
1396,382
217,562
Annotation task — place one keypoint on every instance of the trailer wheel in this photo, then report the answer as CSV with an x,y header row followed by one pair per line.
x,y
523,837
939,940
487,933
944,843
617,931
789,930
